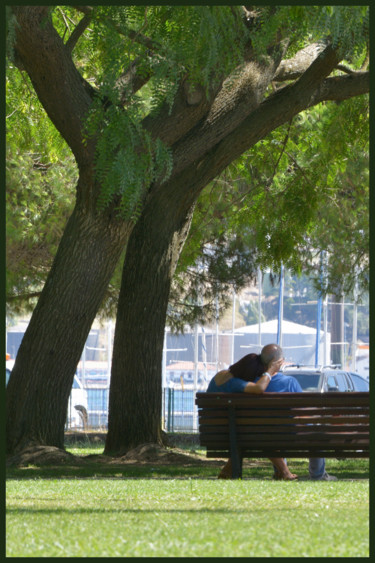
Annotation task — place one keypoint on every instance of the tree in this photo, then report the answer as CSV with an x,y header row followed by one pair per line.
x,y
143,158
120,144
135,395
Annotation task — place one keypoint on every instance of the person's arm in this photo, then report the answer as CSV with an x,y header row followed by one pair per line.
x,y
262,383
260,386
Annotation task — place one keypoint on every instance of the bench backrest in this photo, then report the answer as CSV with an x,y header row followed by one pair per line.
x,y
285,424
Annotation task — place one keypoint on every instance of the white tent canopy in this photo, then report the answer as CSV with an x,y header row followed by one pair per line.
x,y
270,327
298,341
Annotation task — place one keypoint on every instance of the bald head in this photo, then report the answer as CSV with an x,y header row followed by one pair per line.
x,y
271,353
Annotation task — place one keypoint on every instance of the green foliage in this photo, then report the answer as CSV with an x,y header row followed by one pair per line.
x,y
301,190
215,259
342,226
169,43
40,179
345,26
10,32
28,128
127,161
250,313
38,204
268,216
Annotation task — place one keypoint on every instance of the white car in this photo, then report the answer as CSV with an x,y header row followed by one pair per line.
x,y
8,368
77,406
77,416
326,379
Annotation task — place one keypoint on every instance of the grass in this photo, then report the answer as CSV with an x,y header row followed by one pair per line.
x,y
184,511
186,518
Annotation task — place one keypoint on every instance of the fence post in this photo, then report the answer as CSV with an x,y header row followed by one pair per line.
x,y
172,401
170,421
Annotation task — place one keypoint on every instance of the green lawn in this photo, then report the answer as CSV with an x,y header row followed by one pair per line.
x,y
186,512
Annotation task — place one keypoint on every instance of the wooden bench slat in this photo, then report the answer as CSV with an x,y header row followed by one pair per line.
x,y
305,437
313,411
305,421
224,454
275,431
273,399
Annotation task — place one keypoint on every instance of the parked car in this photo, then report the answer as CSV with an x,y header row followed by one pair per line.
x,y
77,416
77,406
9,363
328,378
7,375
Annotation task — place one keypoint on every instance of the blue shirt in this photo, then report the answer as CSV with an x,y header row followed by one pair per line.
x,y
233,385
281,383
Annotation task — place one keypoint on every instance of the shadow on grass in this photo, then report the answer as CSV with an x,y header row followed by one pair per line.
x,y
256,469
94,510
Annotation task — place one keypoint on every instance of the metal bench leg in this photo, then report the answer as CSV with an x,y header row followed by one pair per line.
x,y
235,454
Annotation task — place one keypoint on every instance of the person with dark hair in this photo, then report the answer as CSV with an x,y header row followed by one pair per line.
x,y
240,378
252,367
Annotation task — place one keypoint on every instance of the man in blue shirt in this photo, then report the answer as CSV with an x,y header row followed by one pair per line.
x,y
281,383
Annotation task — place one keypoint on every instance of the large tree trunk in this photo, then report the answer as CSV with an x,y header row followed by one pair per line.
x,y
42,377
41,380
151,258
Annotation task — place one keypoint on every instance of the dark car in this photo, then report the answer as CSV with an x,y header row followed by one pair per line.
x,y
325,379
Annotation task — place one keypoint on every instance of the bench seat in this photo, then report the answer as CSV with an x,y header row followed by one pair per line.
x,y
294,425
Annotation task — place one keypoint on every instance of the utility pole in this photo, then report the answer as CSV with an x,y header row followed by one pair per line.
x,y
281,309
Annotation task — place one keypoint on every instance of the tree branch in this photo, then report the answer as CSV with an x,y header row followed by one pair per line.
x,y
277,109
291,69
23,296
339,88
87,10
63,92
237,99
77,32
132,80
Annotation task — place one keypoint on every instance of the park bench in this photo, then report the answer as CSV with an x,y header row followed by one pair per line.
x,y
291,425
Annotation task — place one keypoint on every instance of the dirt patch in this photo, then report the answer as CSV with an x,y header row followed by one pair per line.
x,y
155,453
42,456
143,455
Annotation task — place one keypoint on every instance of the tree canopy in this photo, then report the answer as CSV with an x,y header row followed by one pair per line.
x,y
155,102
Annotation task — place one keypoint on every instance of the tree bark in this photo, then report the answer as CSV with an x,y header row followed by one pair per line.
x,y
151,258
42,377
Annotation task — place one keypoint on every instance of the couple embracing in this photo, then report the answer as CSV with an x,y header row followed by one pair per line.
x,y
256,373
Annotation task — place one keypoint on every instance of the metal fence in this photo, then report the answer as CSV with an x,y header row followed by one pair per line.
x,y
178,410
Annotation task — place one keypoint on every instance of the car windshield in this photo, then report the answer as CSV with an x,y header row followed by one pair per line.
x,y
308,381
360,384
